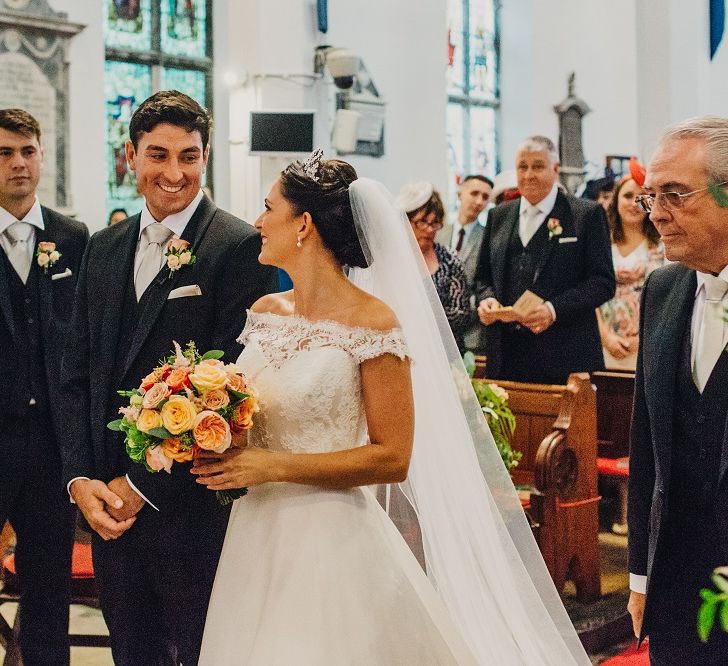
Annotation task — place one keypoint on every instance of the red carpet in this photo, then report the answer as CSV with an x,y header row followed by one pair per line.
x,y
631,657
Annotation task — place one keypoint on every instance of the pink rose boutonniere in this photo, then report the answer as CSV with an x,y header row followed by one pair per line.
x,y
46,255
554,227
178,254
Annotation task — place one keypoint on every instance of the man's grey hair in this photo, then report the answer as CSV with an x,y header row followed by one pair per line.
x,y
713,130
539,144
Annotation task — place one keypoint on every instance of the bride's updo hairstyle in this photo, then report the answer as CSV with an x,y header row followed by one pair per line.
x,y
321,188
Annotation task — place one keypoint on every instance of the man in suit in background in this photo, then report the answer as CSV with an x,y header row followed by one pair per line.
x,y
40,255
158,536
678,490
557,247
465,237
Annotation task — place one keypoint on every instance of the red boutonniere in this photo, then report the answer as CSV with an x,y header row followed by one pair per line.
x,y
554,227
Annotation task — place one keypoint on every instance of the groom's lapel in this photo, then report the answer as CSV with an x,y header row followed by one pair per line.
x,y
50,233
6,307
154,299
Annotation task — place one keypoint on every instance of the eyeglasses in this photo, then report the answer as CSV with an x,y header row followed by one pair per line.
x,y
436,225
668,200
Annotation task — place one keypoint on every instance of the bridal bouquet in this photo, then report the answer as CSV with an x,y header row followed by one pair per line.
x,y
190,401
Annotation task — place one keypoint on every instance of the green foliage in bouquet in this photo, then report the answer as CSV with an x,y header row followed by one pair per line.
x,y
493,401
715,604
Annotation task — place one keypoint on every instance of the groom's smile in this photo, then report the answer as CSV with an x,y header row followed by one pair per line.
x,y
169,162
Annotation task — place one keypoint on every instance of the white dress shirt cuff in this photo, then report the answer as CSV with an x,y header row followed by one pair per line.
x,y
638,583
139,492
68,487
551,309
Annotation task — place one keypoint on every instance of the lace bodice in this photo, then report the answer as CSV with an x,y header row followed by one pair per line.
x,y
306,376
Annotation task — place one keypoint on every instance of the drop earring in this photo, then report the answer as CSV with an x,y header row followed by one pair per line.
x,y
298,242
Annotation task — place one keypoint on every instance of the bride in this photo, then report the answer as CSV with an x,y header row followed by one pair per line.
x,y
360,384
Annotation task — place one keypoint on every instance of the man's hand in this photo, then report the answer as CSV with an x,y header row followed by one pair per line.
x,y
485,310
636,608
539,319
133,502
616,345
93,497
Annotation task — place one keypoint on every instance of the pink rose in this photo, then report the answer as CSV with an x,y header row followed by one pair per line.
x,y
155,395
178,244
157,460
46,246
216,399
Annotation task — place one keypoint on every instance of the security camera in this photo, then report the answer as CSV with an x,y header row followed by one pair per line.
x,y
343,65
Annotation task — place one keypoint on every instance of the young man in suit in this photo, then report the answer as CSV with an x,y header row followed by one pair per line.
x,y
158,536
40,254
678,487
465,238
557,247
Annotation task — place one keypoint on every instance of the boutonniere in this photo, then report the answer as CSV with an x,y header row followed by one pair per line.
x,y
178,254
554,227
46,255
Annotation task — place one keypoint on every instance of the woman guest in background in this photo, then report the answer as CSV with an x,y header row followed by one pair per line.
x,y
426,214
636,252
116,216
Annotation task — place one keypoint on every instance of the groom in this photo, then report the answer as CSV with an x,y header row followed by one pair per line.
x,y
158,536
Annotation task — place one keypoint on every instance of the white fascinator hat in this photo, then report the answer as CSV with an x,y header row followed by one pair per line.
x,y
414,195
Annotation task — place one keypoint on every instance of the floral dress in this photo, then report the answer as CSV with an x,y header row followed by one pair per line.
x,y
622,314
451,285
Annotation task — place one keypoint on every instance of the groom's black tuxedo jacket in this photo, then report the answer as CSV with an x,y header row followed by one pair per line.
x,y
54,290
575,276
115,342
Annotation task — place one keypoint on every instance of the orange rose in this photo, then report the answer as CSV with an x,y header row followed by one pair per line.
x,y
156,375
215,399
46,246
174,448
211,432
149,419
178,378
236,382
178,414
242,416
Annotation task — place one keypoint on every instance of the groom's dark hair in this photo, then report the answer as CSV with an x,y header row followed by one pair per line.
x,y
322,190
173,107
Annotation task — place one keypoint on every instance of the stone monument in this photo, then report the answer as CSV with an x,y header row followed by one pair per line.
x,y
571,151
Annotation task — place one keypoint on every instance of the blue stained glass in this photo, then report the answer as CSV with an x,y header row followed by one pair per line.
x,y
189,81
126,85
184,27
482,74
128,24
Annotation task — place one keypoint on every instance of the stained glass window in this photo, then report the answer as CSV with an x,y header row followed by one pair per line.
x,y
150,45
473,96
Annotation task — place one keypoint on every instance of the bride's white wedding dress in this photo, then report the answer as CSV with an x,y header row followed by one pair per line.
x,y
310,576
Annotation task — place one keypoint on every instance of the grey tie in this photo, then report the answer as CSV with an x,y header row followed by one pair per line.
x,y
526,230
710,333
19,234
156,236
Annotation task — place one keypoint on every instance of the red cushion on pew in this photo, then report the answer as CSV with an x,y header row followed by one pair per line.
x,y
613,466
81,565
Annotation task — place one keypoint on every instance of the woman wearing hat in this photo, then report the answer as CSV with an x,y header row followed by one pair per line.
x,y
424,209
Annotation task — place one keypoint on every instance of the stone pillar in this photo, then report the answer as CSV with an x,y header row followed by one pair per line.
x,y
571,150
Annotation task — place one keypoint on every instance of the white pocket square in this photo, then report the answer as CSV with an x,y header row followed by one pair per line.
x,y
187,290
568,239
59,276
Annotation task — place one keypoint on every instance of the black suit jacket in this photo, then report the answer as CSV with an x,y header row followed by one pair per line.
x,y
231,280
576,277
56,303
667,304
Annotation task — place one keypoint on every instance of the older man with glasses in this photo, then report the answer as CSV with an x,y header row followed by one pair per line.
x,y
424,209
678,491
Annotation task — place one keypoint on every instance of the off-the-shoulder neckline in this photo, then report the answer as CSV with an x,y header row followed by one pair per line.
x,y
324,323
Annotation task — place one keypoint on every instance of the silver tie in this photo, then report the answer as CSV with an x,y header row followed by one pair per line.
x,y
526,231
710,333
19,234
156,236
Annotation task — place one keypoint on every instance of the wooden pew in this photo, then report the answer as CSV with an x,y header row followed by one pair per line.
x,y
615,392
556,432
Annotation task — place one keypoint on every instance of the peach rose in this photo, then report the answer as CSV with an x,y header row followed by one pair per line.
x,y
157,460
174,448
185,258
46,246
155,395
178,378
242,416
54,256
173,262
209,376
43,259
178,414
215,399
178,244
211,432
149,419
236,382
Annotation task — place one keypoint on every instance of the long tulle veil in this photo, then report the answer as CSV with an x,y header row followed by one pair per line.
x,y
479,550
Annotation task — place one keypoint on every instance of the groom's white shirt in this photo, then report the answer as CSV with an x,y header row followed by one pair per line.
x,y
176,223
639,583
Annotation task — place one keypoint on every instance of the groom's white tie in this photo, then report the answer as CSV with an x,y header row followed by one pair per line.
x,y
710,333
19,234
156,236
